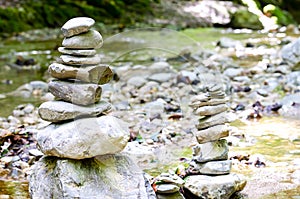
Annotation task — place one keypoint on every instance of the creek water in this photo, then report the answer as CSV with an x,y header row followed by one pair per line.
x,y
271,135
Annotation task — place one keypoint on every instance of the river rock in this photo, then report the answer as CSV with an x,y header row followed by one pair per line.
x,y
84,138
170,178
176,195
212,168
77,26
78,61
211,110
213,120
77,93
212,133
107,177
91,39
222,186
205,100
290,53
290,106
99,74
57,111
233,72
77,52
167,188
161,77
216,150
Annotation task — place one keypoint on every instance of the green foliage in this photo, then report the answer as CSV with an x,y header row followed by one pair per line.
x,y
40,13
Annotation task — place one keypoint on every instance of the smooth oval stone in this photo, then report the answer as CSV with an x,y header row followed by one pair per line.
x,y
77,26
78,61
212,168
222,186
167,188
84,138
208,121
212,133
99,74
77,93
89,40
57,111
77,52
211,110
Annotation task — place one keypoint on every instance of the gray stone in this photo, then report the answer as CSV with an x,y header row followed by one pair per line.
x,y
77,93
219,187
213,120
216,150
212,133
212,168
137,81
176,195
35,152
84,138
107,177
226,42
77,26
99,74
205,100
167,188
211,110
57,111
78,61
291,106
161,77
170,178
293,78
233,72
77,52
89,40
290,53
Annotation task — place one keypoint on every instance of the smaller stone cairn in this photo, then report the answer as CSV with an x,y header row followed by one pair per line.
x,y
82,143
209,170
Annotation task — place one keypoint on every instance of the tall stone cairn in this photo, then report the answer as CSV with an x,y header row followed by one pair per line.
x,y
210,168
82,143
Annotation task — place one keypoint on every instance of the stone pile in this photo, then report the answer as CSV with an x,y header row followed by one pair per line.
x,y
210,167
82,142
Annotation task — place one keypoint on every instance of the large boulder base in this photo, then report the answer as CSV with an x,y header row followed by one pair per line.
x,y
84,138
105,177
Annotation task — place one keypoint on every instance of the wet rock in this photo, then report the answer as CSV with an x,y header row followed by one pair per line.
x,y
212,133
84,138
213,120
211,110
167,188
290,53
79,61
212,167
216,150
91,39
77,52
161,77
57,111
110,176
77,26
99,74
77,93
222,186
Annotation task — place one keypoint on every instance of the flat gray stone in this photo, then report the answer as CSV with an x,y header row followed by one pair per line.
x,y
105,177
167,188
77,93
84,138
57,111
77,26
77,52
206,100
99,74
209,151
208,121
89,40
220,187
79,61
161,77
212,133
212,167
176,195
170,178
211,110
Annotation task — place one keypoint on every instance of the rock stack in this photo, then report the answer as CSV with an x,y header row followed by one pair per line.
x,y
210,167
82,142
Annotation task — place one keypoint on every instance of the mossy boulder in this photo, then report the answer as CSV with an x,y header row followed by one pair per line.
x,y
245,19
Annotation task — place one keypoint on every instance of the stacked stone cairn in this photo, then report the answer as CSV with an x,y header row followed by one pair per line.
x,y
209,170
82,143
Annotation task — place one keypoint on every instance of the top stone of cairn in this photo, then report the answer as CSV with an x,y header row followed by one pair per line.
x,y
77,26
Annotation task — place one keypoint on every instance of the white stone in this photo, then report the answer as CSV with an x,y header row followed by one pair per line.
x,y
77,26
89,40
